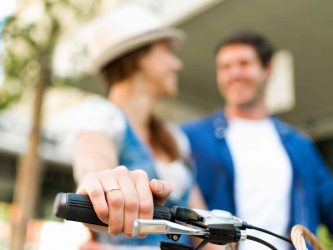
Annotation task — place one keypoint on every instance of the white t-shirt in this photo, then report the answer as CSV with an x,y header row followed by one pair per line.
x,y
263,176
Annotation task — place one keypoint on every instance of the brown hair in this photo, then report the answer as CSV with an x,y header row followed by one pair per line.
x,y
160,137
259,42
123,67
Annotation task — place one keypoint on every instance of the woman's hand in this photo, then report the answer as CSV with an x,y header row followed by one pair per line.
x,y
120,196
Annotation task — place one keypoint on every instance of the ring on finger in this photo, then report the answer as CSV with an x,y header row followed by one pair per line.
x,y
113,188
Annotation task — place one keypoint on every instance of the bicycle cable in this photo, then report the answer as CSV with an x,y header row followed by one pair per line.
x,y
249,226
253,238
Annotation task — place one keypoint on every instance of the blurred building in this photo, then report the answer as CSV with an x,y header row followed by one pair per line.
x,y
56,139
302,33
301,30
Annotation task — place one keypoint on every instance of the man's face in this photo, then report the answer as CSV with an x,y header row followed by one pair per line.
x,y
241,77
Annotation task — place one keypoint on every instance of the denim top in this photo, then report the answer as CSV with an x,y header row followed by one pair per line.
x,y
134,154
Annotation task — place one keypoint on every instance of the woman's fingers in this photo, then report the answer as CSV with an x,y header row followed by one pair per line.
x,y
120,196
115,200
93,188
146,205
130,198
161,190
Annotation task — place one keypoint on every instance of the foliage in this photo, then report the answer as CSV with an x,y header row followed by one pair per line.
x,y
30,37
324,237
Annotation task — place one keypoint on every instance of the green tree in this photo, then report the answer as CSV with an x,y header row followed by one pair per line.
x,y
30,37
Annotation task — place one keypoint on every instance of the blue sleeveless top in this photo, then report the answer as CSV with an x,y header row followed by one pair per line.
x,y
134,154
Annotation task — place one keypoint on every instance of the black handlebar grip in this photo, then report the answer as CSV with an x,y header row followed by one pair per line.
x,y
75,207
78,207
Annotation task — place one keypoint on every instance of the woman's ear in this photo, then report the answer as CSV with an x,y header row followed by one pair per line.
x,y
143,61
268,69
140,62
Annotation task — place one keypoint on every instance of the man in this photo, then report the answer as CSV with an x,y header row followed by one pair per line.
x,y
250,163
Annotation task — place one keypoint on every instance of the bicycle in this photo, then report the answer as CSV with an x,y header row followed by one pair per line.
x,y
216,226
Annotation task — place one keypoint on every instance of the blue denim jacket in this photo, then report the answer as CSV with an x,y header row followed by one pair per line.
x,y
311,199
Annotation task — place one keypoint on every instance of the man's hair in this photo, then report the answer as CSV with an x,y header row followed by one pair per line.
x,y
259,42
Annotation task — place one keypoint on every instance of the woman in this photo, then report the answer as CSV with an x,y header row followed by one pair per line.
x,y
139,68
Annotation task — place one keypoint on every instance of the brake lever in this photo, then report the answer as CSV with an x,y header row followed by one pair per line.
x,y
142,226
216,226
219,217
220,234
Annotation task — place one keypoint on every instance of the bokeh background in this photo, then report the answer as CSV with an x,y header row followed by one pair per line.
x,y
42,42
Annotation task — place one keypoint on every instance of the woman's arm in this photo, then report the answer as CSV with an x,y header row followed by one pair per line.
x,y
93,152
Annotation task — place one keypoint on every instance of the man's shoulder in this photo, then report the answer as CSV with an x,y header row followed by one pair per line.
x,y
200,123
287,130
195,123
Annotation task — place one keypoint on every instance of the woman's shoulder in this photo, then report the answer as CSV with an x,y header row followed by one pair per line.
x,y
98,114
100,105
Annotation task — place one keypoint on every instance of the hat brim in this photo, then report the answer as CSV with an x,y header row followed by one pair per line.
x,y
176,37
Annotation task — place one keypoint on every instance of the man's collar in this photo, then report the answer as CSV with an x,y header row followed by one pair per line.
x,y
220,124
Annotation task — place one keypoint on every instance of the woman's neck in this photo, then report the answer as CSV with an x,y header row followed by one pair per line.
x,y
137,105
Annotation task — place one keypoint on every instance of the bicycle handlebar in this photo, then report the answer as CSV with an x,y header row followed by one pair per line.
x,y
77,207
216,226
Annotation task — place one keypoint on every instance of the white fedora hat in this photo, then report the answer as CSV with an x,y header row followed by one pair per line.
x,y
127,28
